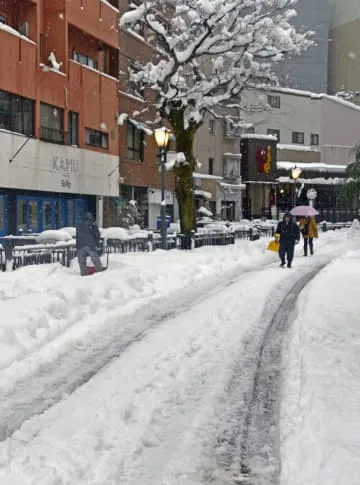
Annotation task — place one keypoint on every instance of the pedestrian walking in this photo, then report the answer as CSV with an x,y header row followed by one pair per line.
x,y
309,231
88,243
288,234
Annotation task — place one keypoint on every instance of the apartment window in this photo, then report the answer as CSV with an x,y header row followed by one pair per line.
x,y
16,113
73,128
273,101
273,132
314,139
211,166
84,60
51,123
298,137
135,143
135,86
3,19
96,138
212,127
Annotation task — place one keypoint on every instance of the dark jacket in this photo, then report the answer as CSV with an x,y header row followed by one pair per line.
x,y
87,234
289,233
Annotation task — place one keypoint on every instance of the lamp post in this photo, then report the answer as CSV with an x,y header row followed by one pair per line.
x,y
295,174
162,139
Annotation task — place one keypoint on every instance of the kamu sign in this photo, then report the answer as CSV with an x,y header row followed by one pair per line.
x,y
66,167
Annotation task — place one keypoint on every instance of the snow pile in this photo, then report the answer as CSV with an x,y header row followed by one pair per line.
x,y
166,408
70,230
42,302
53,236
320,411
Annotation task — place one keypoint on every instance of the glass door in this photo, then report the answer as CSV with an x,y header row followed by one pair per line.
x,y
28,219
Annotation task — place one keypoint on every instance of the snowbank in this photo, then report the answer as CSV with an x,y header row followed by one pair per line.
x,y
53,236
41,302
320,415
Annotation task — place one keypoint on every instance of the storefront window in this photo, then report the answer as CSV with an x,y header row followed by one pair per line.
x,y
59,216
70,213
33,222
21,215
47,215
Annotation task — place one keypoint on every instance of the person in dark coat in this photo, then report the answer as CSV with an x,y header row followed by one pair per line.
x,y
288,234
87,243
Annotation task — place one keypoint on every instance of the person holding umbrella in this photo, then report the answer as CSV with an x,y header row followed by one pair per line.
x,y
309,230
288,234
308,226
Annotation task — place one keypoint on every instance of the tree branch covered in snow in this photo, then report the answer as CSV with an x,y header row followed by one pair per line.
x,y
213,49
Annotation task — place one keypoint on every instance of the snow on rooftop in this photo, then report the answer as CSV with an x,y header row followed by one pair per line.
x,y
311,95
298,148
311,167
258,136
312,181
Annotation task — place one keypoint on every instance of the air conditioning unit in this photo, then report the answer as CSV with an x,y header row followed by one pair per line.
x,y
24,29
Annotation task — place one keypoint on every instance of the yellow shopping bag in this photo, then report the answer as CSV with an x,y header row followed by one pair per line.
x,y
273,246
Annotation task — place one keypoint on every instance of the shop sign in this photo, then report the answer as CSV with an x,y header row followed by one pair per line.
x,y
65,167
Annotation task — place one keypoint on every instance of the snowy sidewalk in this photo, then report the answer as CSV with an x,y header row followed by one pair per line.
x,y
320,413
170,391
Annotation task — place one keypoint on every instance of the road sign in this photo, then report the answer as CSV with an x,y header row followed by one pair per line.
x,y
311,194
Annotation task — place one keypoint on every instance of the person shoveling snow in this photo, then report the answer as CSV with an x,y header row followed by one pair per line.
x,y
87,244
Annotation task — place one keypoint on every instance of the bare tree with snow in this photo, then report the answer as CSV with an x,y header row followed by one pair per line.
x,y
211,50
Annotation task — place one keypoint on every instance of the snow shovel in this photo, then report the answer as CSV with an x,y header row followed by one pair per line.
x,y
91,269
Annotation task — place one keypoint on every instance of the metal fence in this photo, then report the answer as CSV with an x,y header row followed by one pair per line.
x,y
15,253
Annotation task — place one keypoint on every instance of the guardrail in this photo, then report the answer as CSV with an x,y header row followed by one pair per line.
x,y
15,254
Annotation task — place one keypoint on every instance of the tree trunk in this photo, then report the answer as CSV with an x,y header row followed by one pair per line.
x,y
184,172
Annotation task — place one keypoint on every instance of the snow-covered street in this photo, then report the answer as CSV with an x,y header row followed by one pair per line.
x,y
167,369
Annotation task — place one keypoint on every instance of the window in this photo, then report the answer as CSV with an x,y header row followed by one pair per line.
x,y
135,143
298,137
3,19
212,127
314,139
16,113
96,138
135,86
73,128
51,123
211,166
139,28
273,132
84,60
273,101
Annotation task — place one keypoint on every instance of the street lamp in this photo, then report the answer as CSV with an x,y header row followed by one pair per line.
x,y
162,136
295,174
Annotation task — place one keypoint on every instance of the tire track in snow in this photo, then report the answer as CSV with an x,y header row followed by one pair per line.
x,y
52,381
249,449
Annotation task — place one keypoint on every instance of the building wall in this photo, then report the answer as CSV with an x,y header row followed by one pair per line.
x,y
340,123
344,55
309,70
298,112
57,170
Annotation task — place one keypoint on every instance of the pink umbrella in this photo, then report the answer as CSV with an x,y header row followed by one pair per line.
x,y
305,211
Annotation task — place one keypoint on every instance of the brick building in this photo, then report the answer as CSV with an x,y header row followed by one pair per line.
x,y
58,111
139,157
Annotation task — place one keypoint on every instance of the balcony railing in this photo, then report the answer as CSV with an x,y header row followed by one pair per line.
x,y
51,135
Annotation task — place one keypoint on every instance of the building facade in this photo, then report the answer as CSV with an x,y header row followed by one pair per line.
x,y
139,156
58,111
344,48
217,181
314,132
